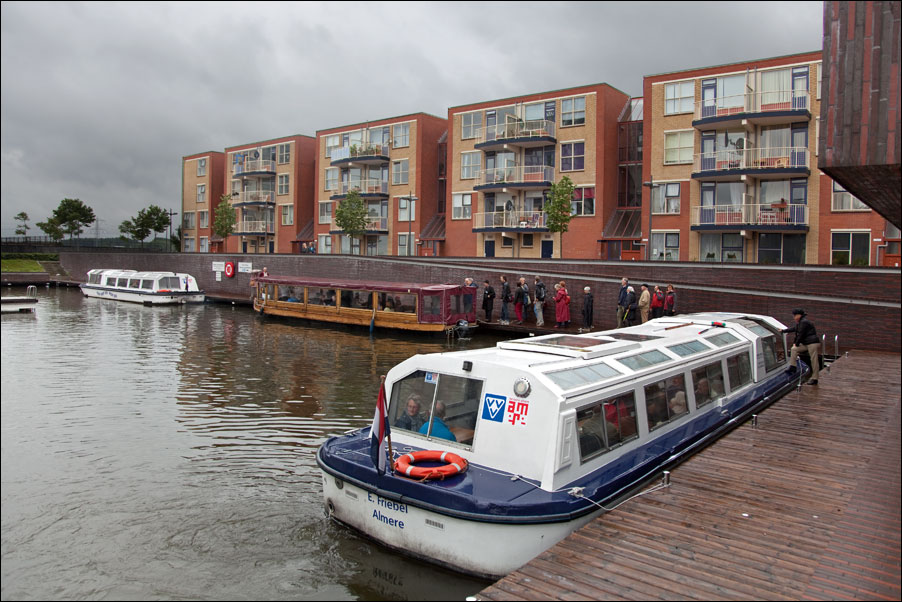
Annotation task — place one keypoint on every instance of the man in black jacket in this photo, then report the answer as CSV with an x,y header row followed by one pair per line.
x,y
806,338
488,300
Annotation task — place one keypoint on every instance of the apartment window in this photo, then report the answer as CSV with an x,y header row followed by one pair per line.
x,y
573,111
399,171
851,248
407,209
469,165
820,79
775,248
583,202
204,244
283,183
325,212
287,215
507,242
679,98
527,241
678,147
665,246
201,167
332,142
666,198
203,219
201,193
727,248
406,244
188,221
461,206
400,135
189,244
332,178
844,201
470,125
324,246
284,153
573,156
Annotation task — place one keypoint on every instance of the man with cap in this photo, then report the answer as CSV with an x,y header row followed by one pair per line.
x,y
806,338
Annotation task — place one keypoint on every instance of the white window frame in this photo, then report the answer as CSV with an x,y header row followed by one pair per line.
x,y
820,78
462,205
582,203
468,169
324,244
401,175
470,125
675,251
839,193
400,135
402,244
284,184
201,193
573,111
201,167
284,153
189,244
324,214
287,216
188,220
204,246
203,219
403,203
666,202
331,178
573,157
684,153
331,141
676,95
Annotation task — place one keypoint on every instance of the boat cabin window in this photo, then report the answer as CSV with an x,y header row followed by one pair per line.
x,y
665,401
321,296
111,282
134,283
688,348
606,424
170,282
357,299
722,339
739,369
582,375
432,305
708,383
774,354
646,359
438,406
122,282
291,294
405,303
148,284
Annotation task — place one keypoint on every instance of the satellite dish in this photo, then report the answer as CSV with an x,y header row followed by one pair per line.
x,y
740,144
509,206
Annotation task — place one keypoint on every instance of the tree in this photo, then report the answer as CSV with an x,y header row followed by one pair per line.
x,y
70,217
175,239
559,209
52,229
350,215
224,218
158,219
137,228
23,228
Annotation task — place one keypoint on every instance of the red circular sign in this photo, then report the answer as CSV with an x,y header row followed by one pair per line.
x,y
230,269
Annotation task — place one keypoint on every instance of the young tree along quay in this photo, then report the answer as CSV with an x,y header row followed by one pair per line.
x,y
223,219
559,209
350,215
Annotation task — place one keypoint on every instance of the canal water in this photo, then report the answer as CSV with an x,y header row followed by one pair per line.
x,y
169,453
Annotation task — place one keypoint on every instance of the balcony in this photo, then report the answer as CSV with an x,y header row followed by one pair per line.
x,y
364,153
253,167
530,176
512,221
768,216
254,228
525,134
763,163
254,197
760,108
366,188
377,224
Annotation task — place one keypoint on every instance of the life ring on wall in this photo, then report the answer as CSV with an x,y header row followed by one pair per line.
x,y
454,465
230,269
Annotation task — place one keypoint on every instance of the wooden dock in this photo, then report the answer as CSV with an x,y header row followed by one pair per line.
x,y
804,507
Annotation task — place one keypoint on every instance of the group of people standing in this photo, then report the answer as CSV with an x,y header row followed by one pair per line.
x,y
523,299
633,308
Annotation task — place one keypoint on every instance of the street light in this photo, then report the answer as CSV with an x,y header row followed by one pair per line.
x,y
651,190
171,213
410,200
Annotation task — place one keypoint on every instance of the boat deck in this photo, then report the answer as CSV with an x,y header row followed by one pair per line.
x,y
804,506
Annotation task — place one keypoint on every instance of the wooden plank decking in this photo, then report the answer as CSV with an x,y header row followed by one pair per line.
x,y
806,506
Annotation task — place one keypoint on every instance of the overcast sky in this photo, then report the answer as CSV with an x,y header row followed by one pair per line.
x,y
100,101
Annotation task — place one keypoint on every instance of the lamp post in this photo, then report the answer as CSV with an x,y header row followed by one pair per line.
x,y
410,201
171,213
651,190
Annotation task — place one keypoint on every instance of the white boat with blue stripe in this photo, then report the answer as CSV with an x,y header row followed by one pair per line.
x,y
553,428
149,288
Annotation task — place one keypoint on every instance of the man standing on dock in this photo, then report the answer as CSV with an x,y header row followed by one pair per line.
x,y
505,299
540,302
622,302
806,339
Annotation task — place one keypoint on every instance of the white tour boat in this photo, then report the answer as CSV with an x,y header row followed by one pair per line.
x,y
149,288
544,431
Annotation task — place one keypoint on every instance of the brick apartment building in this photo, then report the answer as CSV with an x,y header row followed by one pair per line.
x,y
202,186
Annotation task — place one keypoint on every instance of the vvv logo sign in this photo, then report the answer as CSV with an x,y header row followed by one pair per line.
x,y
493,407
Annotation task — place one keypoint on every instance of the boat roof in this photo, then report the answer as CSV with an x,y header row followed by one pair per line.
x,y
133,274
369,285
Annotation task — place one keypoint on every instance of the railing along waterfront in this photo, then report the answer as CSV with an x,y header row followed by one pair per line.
x,y
364,187
363,149
752,158
255,227
530,128
254,165
516,174
765,214
753,102
510,219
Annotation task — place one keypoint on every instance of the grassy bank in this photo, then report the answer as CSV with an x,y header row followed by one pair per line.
x,y
20,265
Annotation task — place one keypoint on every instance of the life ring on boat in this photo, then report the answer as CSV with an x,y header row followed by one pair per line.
x,y
454,464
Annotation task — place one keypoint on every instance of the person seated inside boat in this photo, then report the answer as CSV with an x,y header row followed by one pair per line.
x,y
411,419
656,408
678,404
389,304
702,391
329,298
439,429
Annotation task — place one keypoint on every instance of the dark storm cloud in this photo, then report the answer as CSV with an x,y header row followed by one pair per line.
x,y
101,100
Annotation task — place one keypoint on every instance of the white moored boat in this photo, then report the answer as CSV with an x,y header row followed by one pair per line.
x,y
149,288
552,427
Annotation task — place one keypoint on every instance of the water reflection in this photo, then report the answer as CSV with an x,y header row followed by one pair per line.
x,y
170,452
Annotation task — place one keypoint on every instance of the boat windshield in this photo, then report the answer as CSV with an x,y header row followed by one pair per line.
x,y
436,406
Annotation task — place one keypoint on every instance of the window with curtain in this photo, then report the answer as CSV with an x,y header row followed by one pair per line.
x,y
401,135
201,167
469,165
776,88
666,198
665,246
573,111
399,172
709,247
729,193
774,191
470,125
731,91
731,248
679,98
844,201
461,206
678,147
583,202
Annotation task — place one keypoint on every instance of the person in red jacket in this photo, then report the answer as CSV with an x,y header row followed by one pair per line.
x,y
561,305
657,303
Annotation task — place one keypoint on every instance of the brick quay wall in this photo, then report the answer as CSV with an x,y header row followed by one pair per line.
x,y
859,305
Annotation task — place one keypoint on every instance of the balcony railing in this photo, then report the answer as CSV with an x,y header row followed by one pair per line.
x,y
767,214
363,187
531,128
356,151
753,102
518,174
253,165
510,219
787,157
254,196
377,223
254,227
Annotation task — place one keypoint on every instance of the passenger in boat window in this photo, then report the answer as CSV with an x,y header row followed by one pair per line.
x,y
655,405
676,396
439,429
347,298
740,370
330,297
411,419
708,383
388,304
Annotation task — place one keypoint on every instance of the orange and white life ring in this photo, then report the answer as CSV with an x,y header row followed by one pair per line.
x,y
454,464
